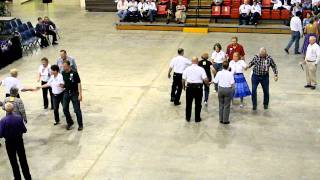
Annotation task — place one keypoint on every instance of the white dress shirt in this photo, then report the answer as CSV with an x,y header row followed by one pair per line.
x,y
218,57
313,53
296,24
44,73
245,9
256,8
10,82
152,6
295,1
194,74
55,82
122,6
142,6
133,6
315,2
224,79
179,64
237,67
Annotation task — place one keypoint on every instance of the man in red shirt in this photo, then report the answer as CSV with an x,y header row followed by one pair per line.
x,y
234,47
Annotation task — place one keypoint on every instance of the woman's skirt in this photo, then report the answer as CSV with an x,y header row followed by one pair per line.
x,y
242,89
306,42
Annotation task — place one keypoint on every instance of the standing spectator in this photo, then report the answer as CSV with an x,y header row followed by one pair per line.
x,y
244,11
309,30
195,76
235,47
306,20
63,58
316,8
180,13
225,81
255,13
178,65
311,60
261,64
307,5
18,106
73,93
56,83
217,57
12,129
122,7
207,66
237,66
152,10
44,74
296,33
41,33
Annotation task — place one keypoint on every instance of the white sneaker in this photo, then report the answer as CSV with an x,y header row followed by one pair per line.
x,y
241,106
206,103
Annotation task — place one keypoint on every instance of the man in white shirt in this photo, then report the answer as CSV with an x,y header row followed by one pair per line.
x,y
56,83
133,10
44,76
143,9
225,81
311,60
255,13
296,33
244,11
178,65
122,7
195,76
152,10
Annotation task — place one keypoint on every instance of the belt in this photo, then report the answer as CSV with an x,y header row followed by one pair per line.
x,y
194,85
177,73
238,73
310,61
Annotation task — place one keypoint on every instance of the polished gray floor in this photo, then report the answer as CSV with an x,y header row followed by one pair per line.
x,y
131,129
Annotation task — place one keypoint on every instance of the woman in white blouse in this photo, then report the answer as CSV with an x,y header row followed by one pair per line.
x,y
237,66
44,74
217,58
255,13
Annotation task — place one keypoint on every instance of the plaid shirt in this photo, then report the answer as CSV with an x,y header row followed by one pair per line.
x,y
262,65
18,107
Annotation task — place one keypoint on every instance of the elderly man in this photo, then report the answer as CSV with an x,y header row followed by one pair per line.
x,y
18,106
235,47
296,33
195,76
41,33
261,64
310,61
63,58
244,11
12,129
178,64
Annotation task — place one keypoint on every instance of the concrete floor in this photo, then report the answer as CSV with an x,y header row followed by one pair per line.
x,y
131,129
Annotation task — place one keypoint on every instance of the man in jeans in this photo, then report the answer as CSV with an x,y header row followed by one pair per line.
x,y
73,93
296,33
261,64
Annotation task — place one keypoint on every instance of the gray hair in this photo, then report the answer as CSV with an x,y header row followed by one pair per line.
x,y
14,91
8,107
263,50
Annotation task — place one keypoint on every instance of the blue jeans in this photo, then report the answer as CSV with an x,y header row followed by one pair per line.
x,y
73,97
151,14
295,38
264,81
122,14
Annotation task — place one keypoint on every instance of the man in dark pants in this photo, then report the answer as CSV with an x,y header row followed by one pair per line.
x,y
178,64
194,75
73,93
43,77
12,129
42,30
261,64
207,66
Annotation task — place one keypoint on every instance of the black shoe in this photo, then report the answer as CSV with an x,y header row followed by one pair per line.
x,y
286,50
221,122
199,120
69,126
307,86
80,128
55,43
188,120
56,123
297,53
172,99
254,108
177,104
226,122
313,87
45,107
265,106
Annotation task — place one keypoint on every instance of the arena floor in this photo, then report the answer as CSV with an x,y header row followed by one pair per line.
x,y
131,130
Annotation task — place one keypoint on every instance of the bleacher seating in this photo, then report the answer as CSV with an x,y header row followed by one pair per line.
x,y
225,11
275,14
266,14
285,14
216,10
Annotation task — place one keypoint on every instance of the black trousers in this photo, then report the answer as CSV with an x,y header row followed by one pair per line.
x,y
15,147
254,18
176,87
244,18
53,34
57,99
73,97
194,91
45,95
44,41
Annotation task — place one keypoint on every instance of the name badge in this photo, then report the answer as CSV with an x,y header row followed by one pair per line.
x,y
204,63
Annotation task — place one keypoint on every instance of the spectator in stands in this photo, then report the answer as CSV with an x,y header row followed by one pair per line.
x,y
152,10
316,9
310,30
255,13
143,9
244,11
122,8
296,8
64,57
278,5
180,13
307,19
49,30
307,5
48,22
293,2
235,47
41,33
133,9
296,33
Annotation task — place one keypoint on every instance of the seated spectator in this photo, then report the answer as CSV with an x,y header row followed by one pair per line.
x,y
296,8
122,7
316,9
50,29
180,13
307,5
278,5
49,23
255,13
41,33
143,9
295,2
244,11
306,20
133,9
152,10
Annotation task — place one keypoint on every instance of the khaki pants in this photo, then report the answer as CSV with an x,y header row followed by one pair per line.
x,y
311,70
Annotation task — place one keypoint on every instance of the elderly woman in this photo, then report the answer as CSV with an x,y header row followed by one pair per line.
x,y
18,107
180,13
310,30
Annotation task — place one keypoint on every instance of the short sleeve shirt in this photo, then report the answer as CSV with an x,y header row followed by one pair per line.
x,y
218,57
71,80
231,50
10,82
44,73
55,82
237,67
194,74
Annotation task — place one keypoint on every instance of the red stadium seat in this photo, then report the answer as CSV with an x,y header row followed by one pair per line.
x,y
266,3
236,3
285,14
227,2
185,2
305,12
164,1
275,14
216,10
265,14
162,9
175,2
225,11
235,13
